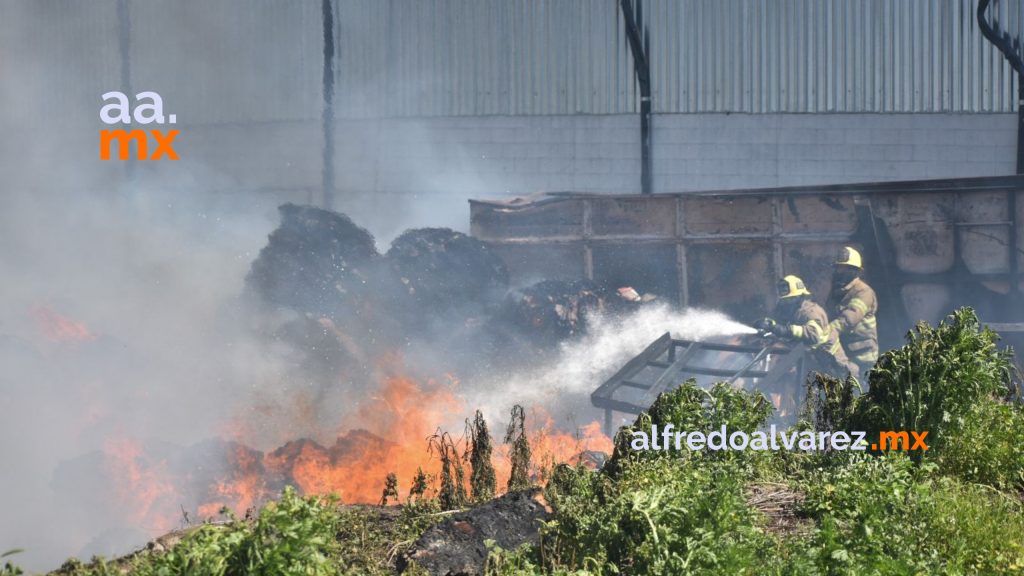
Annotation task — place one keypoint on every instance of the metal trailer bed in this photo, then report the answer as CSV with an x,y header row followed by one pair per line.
x,y
667,362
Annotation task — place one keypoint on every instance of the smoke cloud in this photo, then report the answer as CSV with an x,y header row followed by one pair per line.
x,y
121,316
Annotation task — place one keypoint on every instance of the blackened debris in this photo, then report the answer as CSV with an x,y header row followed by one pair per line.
x,y
455,547
554,309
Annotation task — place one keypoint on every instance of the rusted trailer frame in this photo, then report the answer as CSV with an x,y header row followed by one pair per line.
x,y
929,244
667,362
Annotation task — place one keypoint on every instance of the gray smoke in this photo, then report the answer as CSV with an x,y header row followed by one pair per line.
x,y
119,308
120,315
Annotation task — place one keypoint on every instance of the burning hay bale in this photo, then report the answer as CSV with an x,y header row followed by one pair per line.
x,y
457,545
441,269
434,285
317,469
316,261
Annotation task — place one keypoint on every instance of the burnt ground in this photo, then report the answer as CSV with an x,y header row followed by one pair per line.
x,y
456,546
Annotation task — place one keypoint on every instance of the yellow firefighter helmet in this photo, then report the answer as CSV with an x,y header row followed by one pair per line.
x,y
791,287
850,257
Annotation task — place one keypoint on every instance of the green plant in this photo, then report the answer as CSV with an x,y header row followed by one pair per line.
x,y
420,484
390,489
988,446
663,516
515,435
691,408
293,535
884,515
956,511
453,486
482,478
829,402
931,382
9,569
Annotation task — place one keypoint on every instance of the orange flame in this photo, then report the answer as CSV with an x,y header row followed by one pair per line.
x,y
387,434
399,419
57,328
245,489
147,493
550,445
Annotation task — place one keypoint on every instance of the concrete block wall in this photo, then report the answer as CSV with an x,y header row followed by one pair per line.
x,y
406,167
494,156
400,172
746,151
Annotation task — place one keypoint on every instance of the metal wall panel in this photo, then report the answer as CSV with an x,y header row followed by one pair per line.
x,y
459,57
467,57
230,61
261,60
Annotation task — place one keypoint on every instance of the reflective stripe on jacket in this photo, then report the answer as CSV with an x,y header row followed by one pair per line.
x,y
810,324
855,321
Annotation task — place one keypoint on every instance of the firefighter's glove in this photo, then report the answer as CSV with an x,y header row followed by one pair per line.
x,y
767,327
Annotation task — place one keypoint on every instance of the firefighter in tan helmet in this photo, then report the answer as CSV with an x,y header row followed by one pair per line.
x,y
797,317
854,306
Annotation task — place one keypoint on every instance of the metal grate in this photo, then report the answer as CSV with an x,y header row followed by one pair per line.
x,y
667,362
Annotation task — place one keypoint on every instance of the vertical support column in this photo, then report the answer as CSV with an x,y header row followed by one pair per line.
x,y
1012,242
682,276
1020,123
776,238
647,167
640,46
1011,201
588,231
328,112
646,174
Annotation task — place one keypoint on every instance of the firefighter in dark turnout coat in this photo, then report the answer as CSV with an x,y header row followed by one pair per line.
x,y
854,309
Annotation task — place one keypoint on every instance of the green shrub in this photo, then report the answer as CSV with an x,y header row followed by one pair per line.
x,y
988,447
691,408
883,515
931,382
294,535
829,402
660,516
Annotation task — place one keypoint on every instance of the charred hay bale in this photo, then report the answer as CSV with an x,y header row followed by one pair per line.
x,y
553,310
441,269
316,261
456,546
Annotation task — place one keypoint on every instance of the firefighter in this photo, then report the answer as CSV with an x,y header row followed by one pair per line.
x,y
797,317
854,307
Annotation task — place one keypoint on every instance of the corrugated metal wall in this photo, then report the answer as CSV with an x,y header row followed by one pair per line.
x,y
260,60
828,56
465,57
454,57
